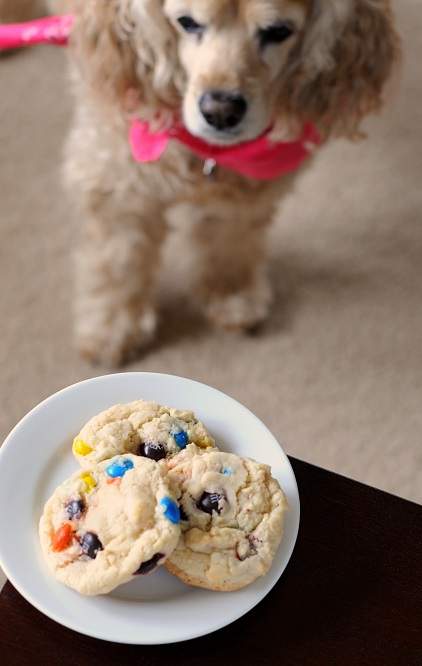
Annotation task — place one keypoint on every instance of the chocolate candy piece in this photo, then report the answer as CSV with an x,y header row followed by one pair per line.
x,y
91,544
119,468
171,510
209,502
181,438
75,509
81,447
62,537
148,566
89,481
153,451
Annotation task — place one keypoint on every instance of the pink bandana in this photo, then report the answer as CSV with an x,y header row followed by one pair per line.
x,y
261,158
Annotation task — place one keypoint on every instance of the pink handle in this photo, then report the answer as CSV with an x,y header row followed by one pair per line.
x,y
51,30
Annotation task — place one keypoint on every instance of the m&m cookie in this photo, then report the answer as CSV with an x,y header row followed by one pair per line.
x,y
232,513
109,523
142,428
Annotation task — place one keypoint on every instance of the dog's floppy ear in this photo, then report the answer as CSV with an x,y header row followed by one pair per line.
x,y
347,54
127,53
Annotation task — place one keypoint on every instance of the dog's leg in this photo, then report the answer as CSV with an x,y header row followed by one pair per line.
x,y
119,211
115,269
230,279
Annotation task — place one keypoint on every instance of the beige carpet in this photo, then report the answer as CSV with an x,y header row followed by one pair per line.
x,y
336,373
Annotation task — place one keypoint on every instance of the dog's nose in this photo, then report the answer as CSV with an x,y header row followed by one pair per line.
x,y
222,109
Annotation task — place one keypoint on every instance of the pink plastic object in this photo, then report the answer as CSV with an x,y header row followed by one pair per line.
x,y
51,30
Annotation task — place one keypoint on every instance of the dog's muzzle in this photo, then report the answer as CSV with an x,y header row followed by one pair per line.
x,y
222,110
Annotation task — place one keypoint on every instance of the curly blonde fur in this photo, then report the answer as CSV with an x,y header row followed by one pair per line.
x,y
133,58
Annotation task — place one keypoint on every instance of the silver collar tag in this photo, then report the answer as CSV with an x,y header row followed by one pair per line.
x,y
209,167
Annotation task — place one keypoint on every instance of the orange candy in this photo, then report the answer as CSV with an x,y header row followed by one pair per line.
x,y
62,537
116,481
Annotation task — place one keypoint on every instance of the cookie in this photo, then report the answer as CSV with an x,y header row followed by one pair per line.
x,y
232,513
105,525
142,428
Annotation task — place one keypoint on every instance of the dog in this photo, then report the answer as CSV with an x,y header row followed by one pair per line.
x,y
167,92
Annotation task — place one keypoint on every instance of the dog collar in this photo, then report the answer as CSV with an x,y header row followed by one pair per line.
x,y
261,159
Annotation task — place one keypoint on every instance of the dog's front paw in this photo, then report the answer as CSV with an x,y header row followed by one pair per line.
x,y
242,311
117,341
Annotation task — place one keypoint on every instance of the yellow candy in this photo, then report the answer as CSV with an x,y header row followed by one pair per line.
x,y
81,448
203,445
90,482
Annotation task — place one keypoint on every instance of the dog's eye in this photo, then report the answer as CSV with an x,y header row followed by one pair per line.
x,y
275,34
189,25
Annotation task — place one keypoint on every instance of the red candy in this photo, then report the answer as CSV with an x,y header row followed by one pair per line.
x,y
62,537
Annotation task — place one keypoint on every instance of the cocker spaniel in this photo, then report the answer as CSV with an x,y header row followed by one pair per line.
x,y
216,105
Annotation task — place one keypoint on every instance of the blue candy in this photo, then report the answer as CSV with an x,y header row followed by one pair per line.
x,y
172,511
181,439
119,467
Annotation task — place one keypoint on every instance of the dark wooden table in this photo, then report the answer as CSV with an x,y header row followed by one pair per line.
x,y
351,594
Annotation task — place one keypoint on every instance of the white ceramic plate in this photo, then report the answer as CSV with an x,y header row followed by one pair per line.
x,y
37,457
